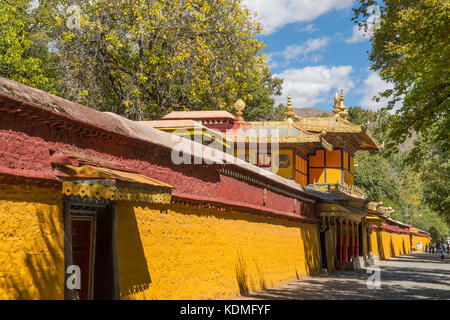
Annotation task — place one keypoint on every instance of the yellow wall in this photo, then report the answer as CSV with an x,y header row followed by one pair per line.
x,y
252,157
301,170
330,247
197,253
31,243
331,167
288,171
417,239
390,244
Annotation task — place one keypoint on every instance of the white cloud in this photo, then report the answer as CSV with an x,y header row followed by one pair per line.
x,y
274,14
312,85
304,51
373,85
294,51
308,28
358,35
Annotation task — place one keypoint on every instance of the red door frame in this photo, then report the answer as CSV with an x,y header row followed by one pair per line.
x,y
84,225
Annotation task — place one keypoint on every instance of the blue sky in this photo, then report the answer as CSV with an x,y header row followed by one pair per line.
x,y
316,48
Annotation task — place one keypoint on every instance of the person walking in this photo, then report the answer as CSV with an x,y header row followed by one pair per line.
x,y
442,251
448,247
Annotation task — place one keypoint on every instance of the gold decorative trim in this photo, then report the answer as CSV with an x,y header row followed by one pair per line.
x,y
95,192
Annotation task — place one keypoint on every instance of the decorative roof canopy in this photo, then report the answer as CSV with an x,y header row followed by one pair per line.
x,y
338,126
198,115
103,185
275,131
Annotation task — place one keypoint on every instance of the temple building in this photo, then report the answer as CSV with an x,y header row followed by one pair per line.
x,y
96,206
315,152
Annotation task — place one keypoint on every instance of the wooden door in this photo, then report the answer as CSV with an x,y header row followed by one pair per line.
x,y
83,252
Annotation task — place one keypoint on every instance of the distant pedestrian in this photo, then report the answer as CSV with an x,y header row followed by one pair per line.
x,y
448,247
442,251
432,248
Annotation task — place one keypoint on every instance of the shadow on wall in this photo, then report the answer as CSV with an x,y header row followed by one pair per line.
x,y
261,278
311,249
143,267
241,274
392,248
134,276
35,269
380,245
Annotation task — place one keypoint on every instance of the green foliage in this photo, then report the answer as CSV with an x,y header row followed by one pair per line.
x,y
414,187
410,49
375,176
278,113
22,57
261,106
377,121
430,157
145,58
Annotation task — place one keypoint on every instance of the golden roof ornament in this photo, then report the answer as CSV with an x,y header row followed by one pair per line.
x,y
339,108
336,108
239,106
290,116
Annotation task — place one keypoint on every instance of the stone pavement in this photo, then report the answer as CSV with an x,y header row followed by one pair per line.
x,y
413,276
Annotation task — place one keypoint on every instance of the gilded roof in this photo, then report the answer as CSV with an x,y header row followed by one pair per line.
x,y
178,123
220,114
279,131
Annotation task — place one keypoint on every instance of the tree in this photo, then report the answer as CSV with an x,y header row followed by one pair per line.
x,y
430,157
261,105
414,188
410,50
376,177
23,57
144,58
279,112
377,121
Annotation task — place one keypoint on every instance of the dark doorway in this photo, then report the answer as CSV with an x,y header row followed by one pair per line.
x,y
83,250
94,251
104,283
360,240
323,250
368,242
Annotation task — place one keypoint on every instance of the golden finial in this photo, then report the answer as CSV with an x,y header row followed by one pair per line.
x,y
239,106
341,100
289,114
344,113
336,108
289,105
336,100
339,108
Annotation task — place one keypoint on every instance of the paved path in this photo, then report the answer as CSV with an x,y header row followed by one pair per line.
x,y
414,276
